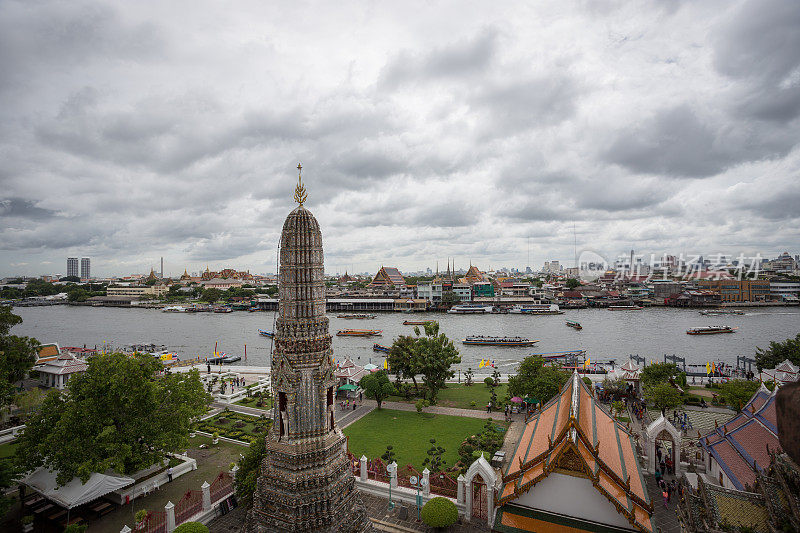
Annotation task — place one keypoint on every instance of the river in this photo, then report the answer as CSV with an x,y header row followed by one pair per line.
x,y
606,334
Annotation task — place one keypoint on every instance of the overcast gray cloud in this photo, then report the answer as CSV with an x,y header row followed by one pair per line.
x,y
131,131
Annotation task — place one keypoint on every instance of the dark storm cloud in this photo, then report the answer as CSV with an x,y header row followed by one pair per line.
x,y
678,142
26,209
457,59
759,46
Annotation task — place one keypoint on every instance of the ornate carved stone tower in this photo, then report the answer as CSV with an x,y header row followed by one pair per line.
x,y
306,483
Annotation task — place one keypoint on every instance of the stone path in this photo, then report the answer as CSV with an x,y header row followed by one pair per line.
x,y
254,411
345,418
665,519
452,411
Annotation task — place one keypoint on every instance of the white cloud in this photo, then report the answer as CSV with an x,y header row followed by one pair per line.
x,y
136,130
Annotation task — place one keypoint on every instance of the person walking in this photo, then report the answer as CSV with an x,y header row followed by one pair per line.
x,y
169,474
208,368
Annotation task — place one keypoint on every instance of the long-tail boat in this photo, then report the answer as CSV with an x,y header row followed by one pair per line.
x,y
359,333
573,324
480,340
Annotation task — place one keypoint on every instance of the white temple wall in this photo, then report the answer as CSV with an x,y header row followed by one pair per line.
x,y
572,496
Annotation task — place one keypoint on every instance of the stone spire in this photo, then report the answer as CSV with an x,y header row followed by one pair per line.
x,y
305,482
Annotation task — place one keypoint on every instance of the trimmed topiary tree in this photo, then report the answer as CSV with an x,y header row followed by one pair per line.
x,y
191,527
439,512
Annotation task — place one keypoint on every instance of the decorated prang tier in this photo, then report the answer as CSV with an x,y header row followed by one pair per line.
x,y
305,483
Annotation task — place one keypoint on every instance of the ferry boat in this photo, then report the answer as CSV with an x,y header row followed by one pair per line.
x,y
359,333
223,309
174,309
470,309
710,330
480,340
625,308
536,309
416,322
380,348
711,312
573,324
357,316
265,333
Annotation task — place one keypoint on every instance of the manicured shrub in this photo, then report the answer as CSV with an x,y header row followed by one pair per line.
x,y
191,527
489,382
439,512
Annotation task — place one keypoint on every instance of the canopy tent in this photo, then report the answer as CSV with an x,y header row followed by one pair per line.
x,y
348,386
370,367
74,493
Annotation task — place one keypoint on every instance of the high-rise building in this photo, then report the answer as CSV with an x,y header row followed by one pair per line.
x,y
72,266
86,268
305,482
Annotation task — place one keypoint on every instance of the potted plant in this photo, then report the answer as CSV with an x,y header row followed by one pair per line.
x,y
27,522
215,436
140,517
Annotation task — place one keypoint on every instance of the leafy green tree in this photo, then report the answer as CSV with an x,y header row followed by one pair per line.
x,y
437,356
468,375
615,387
17,355
211,295
658,373
29,401
536,379
74,279
377,386
121,414
389,454
77,294
573,283
404,358
737,392
778,352
662,396
449,299
434,461
249,469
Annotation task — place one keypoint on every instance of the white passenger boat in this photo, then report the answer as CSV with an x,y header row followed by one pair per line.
x,y
470,309
536,309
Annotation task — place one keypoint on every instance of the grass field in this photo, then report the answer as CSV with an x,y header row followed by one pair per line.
x,y
461,396
252,401
7,450
410,434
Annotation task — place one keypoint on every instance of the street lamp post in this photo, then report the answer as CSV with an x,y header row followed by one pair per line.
x,y
418,484
391,468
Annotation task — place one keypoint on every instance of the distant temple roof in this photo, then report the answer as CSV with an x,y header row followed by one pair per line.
x,y
783,373
573,433
48,352
65,363
388,277
744,442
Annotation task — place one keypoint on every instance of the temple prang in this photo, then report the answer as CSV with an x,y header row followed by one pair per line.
x,y
305,482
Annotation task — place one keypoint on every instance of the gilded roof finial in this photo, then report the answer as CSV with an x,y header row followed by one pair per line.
x,y
300,191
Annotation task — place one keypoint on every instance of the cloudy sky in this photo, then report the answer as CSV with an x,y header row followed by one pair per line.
x,y
481,131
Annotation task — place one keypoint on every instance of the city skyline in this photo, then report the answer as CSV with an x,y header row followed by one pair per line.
x,y
483,133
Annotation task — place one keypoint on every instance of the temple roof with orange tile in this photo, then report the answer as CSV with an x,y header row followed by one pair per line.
x,y
574,435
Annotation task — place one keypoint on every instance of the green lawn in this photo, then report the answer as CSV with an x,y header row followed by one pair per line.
x,y
461,396
410,434
7,450
252,401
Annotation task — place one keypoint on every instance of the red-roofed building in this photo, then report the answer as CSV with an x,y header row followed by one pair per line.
x,y
737,449
575,468
388,278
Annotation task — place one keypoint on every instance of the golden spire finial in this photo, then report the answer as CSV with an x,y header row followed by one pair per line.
x,y
300,191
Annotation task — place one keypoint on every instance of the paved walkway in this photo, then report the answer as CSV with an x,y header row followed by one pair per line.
x,y
347,417
452,411
242,409
665,519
